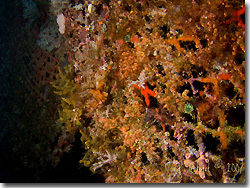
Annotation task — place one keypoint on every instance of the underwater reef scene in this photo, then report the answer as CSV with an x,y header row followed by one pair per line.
x,y
124,91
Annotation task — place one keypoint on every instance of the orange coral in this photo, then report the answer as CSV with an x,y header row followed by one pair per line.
x,y
214,81
236,17
176,41
223,138
240,132
224,76
146,92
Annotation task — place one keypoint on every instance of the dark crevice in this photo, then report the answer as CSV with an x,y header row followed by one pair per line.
x,y
236,116
211,143
191,139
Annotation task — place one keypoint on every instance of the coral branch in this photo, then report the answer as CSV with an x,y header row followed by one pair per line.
x,y
146,92
103,161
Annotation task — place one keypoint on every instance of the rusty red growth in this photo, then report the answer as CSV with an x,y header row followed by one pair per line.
x,y
236,17
146,92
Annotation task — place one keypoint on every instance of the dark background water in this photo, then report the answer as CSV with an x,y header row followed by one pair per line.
x,y
68,170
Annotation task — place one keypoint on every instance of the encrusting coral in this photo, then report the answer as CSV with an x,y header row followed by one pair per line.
x,y
156,89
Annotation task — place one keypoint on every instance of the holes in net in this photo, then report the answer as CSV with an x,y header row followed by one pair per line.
x,y
165,30
191,139
159,152
213,123
147,18
242,17
204,43
47,75
139,7
131,45
227,88
109,99
237,177
211,143
157,124
237,147
106,42
127,8
173,48
236,116
240,56
153,101
149,30
144,158
188,118
137,33
107,2
198,85
72,2
171,132
160,69
188,45
98,9
188,87
71,34
170,153
198,71
179,31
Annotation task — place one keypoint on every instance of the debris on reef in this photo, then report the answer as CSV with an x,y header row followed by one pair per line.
x,y
155,84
